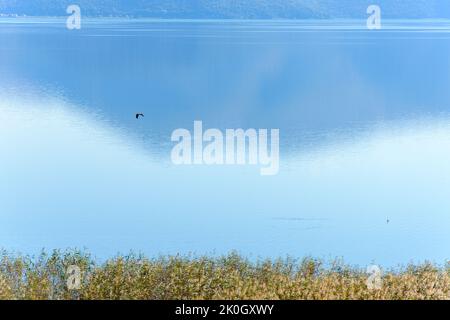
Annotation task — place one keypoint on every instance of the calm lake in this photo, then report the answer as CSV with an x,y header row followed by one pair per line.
x,y
364,120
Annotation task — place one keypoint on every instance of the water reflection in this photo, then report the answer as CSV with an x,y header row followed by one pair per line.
x,y
365,137
70,180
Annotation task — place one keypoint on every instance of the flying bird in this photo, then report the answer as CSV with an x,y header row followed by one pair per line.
x,y
139,115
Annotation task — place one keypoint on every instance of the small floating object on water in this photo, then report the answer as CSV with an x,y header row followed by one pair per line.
x,y
139,115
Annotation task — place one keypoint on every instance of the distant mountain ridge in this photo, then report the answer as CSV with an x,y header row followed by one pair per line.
x,y
231,9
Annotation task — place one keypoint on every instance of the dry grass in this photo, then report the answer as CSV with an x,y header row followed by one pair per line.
x,y
230,277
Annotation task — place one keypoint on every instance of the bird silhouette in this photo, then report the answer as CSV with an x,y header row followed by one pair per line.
x,y
139,115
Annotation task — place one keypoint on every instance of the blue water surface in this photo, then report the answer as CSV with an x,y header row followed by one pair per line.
x,y
364,119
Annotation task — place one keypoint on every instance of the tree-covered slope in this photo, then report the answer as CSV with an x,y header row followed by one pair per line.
x,y
252,9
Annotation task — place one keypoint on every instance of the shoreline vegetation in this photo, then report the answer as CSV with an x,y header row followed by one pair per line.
x,y
231,277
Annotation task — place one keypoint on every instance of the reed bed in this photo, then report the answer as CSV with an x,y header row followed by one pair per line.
x,y
231,277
